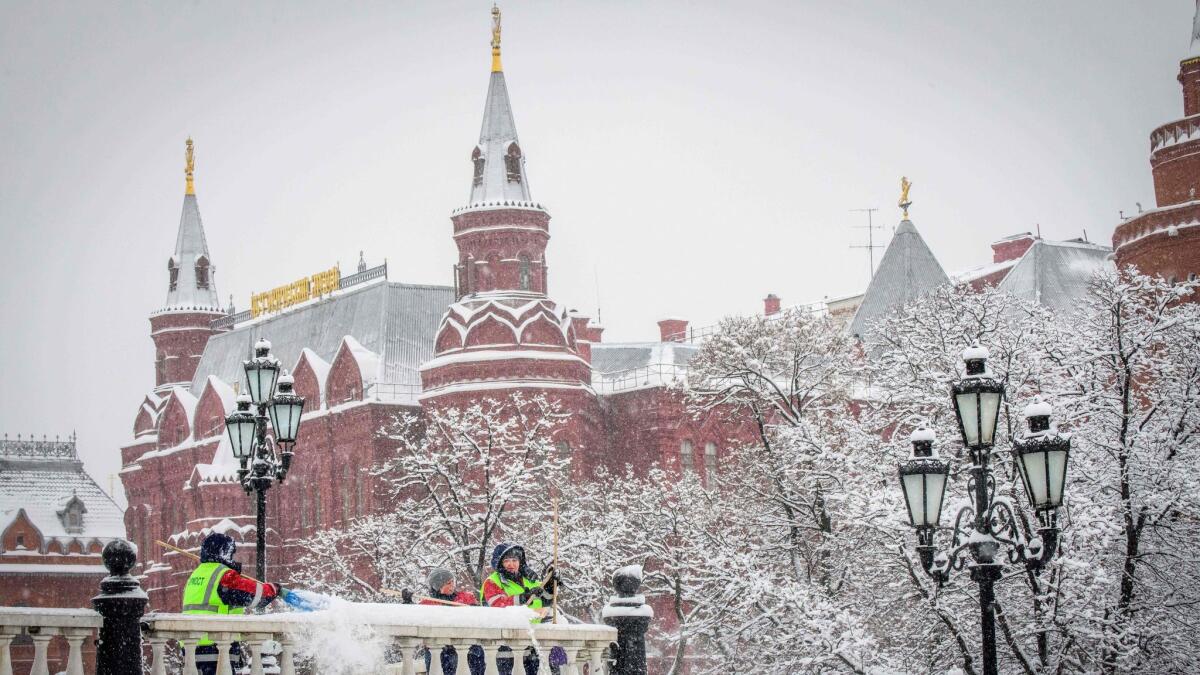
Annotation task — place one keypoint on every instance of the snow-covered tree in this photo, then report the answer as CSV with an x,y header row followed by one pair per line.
x,y
459,481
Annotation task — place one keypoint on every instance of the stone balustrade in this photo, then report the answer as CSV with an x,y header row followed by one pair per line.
x,y
403,634
41,626
584,645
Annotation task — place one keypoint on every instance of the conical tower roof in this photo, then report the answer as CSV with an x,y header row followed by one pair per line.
x,y
1195,50
191,285
907,271
499,160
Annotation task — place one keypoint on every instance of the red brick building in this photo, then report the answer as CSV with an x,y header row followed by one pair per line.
x,y
1166,240
54,521
367,348
370,348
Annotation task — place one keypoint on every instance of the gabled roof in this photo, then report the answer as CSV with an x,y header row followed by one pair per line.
x,y
497,134
1056,273
44,483
396,321
907,271
190,245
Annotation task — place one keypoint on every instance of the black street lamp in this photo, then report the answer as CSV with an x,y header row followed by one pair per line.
x,y
264,459
988,523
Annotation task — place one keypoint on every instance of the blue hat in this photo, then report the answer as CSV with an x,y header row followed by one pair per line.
x,y
507,550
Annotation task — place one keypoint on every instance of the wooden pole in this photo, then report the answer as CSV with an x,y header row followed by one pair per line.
x,y
388,591
554,596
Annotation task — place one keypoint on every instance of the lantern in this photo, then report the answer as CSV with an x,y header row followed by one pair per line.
x,y
242,427
976,400
261,373
285,410
923,480
1041,458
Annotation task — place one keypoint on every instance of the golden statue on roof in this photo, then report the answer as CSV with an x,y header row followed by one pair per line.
x,y
189,166
496,39
905,202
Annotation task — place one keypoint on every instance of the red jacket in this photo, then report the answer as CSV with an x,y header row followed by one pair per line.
x,y
238,591
461,597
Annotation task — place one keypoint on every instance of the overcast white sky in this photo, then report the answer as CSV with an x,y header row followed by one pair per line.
x,y
694,155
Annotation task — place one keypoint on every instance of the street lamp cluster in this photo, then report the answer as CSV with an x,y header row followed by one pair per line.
x,y
264,459
988,523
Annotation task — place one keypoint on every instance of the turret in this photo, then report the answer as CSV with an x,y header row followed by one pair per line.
x,y
501,234
181,328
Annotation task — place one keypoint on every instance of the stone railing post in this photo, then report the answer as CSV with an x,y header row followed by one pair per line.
x,y
121,604
628,612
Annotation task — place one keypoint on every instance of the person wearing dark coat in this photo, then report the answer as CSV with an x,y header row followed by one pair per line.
x,y
217,587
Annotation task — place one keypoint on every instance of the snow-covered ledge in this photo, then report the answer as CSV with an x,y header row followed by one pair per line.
x,y
41,625
352,630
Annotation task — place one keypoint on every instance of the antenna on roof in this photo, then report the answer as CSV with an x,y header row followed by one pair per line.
x,y
596,275
870,227
1085,235
1039,229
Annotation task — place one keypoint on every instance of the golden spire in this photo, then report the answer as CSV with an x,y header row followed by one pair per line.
x,y
905,202
496,40
189,166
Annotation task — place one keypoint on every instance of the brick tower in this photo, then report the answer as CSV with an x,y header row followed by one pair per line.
x,y
1166,240
181,328
503,333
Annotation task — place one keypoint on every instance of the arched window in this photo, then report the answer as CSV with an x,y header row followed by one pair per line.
x,y
303,509
478,161
202,272
512,163
710,460
525,277
347,495
686,459
160,366
172,274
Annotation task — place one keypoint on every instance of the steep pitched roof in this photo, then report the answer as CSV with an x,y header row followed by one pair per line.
x,y
497,137
907,271
1056,273
190,245
396,321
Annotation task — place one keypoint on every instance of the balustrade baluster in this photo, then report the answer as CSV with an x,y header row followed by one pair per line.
x,y
158,652
518,657
435,659
256,653
461,667
596,662
543,657
189,655
572,665
6,639
287,656
75,638
490,651
223,644
408,664
41,645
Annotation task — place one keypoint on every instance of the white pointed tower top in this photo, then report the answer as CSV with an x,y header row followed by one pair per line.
x,y
1195,50
498,160
190,284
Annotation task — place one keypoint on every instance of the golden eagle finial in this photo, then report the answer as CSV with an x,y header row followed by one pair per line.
x,y
189,166
905,202
496,39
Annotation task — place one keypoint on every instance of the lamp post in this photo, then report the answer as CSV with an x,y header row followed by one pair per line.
x,y
264,460
988,523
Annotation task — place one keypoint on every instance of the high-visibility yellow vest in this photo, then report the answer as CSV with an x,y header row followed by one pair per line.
x,y
513,589
200,594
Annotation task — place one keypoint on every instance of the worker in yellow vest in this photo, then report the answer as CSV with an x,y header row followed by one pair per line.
x,y
512,583
218,587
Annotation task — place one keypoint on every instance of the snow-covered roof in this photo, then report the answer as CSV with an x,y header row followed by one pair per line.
x,y
1056,273
42,478
396,321
907,271
190,245
982,271
614,357
498,133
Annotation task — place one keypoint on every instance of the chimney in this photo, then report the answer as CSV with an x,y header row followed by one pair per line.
x,y
673,330
771,304
1011,248
594,332
579,326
